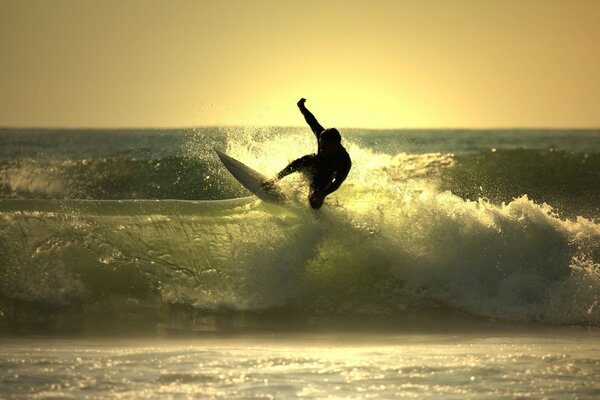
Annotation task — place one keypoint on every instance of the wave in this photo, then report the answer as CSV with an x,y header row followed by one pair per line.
x,y
113,237
113,178
429,250
568,181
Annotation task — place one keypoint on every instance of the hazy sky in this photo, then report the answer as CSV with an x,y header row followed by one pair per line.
x,y
379,64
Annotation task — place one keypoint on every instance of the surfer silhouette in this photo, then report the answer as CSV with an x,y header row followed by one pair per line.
x,y
327,169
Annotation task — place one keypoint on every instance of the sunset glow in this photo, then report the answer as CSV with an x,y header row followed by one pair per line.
x,y
385,64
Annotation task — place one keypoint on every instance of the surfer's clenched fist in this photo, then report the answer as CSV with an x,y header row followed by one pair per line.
x,y
301,102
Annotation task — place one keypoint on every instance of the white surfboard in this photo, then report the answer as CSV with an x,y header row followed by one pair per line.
x,y
251,179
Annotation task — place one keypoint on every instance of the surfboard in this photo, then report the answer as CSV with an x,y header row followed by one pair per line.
x,y
251,179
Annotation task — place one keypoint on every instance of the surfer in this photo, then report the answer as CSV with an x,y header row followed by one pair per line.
x,y
327,169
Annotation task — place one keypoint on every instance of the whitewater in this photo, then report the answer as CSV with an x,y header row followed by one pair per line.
x,y
449,264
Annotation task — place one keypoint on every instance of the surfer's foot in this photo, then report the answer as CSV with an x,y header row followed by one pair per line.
x,y
268,185
316,200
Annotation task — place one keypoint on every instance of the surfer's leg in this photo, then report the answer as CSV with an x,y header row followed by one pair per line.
x,y
314,198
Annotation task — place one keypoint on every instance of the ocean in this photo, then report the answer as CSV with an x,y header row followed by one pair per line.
x,y
450,264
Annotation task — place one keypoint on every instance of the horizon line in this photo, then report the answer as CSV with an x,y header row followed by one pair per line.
x,y
249,126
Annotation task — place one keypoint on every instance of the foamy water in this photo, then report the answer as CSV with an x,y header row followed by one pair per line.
x,y
306,366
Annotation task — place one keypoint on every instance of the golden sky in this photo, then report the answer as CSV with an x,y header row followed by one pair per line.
x,y
369,64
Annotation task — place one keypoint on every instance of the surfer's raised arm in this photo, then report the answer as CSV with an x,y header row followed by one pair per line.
x,y
310,118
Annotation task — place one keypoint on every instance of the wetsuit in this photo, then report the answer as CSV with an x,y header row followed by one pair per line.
x,y
325,172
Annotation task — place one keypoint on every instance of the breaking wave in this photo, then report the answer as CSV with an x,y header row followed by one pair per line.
x,y
407,233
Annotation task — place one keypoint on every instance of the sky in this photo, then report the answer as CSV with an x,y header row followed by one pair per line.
x,y
364,64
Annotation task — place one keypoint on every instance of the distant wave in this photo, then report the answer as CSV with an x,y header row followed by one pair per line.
x,y
113,178
567,181
570,182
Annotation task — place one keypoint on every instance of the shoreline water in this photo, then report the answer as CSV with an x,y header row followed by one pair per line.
x,y
305,366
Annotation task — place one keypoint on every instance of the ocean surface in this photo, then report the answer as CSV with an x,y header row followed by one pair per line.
x,y
450,264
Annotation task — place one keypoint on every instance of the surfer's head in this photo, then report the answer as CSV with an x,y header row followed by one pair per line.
x,y
330,139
